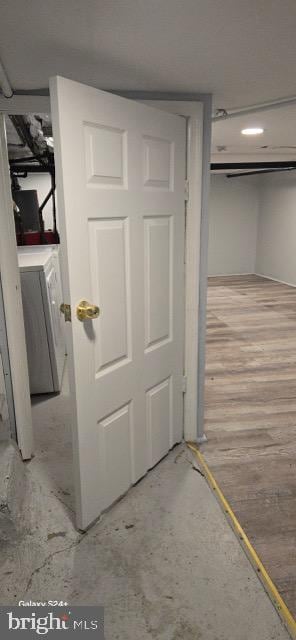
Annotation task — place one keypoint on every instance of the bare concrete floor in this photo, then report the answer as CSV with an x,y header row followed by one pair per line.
x,y
163,560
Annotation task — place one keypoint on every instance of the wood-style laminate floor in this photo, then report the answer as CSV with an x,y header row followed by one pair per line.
x,y
251,414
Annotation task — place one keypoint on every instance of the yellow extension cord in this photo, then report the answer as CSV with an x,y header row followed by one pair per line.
x,y
268,584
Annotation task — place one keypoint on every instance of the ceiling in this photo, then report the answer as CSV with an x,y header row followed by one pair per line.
x,y
243,51
277,142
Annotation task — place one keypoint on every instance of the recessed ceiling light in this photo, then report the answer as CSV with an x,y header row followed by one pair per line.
x,y
252,131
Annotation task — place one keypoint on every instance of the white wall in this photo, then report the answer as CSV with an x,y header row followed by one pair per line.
x,y
252,226
41,182
276,244
233,213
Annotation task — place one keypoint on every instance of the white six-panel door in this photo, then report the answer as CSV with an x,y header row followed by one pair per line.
x,y
120,176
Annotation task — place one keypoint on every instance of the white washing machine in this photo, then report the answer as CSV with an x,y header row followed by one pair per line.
x,y
42,297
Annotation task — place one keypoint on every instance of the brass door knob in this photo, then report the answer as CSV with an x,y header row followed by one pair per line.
x,y
87,311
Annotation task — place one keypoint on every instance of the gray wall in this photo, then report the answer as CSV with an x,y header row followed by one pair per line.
x,y
233,214
276,244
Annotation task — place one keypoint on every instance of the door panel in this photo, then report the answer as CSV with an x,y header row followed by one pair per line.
x,y
116,446
120,176
110,276
158,163
159,420
105,153
158,280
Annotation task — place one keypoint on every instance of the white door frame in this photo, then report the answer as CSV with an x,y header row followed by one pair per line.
x,y
197,108
13,308
5,364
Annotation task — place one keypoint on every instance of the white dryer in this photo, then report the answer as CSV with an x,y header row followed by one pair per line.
x,y
42,297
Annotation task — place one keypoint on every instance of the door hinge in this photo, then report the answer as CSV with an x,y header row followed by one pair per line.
x,y
66,310
186,190
184,384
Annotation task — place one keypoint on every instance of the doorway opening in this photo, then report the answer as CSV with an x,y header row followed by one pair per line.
x,y
30,147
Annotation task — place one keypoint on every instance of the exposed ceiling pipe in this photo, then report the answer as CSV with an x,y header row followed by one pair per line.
x,y
227,166
258,173
4,83
226,114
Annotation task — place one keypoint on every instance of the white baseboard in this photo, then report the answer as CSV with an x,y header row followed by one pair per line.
x,y
289,284
224,275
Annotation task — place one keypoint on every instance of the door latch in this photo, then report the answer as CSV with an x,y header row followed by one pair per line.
x,y
66,310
